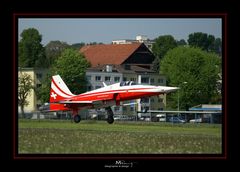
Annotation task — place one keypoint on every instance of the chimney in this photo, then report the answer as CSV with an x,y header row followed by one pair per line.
x,y
109,68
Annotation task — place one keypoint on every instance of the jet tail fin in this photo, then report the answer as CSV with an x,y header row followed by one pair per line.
x,y
59,91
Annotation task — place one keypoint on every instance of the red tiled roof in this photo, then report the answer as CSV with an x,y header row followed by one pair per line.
x,y
108,54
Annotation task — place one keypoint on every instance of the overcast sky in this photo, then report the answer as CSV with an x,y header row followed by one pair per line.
x,y
106,30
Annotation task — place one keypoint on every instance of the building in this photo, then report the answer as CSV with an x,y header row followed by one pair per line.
x,y
37,75
214,117
139,39
118,54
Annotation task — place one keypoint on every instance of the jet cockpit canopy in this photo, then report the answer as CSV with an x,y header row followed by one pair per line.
x,y
127,83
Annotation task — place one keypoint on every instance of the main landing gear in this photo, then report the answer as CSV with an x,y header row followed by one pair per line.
x,y
110,119
77,118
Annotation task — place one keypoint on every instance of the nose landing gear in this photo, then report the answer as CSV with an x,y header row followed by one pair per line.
x,y
110,119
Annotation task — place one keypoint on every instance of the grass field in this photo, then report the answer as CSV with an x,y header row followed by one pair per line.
x,y
98,137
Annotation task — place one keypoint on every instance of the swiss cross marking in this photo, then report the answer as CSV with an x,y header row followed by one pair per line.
x,y
53,95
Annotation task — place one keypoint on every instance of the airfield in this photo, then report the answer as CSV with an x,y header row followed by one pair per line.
x,y
121,137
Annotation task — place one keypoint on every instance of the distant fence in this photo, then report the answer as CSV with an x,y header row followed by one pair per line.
x,y
101,115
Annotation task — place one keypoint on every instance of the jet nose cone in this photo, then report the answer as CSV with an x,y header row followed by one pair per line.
x,y
171,89
167,89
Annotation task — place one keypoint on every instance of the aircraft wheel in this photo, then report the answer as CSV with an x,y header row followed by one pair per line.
x,y
77,118
110,119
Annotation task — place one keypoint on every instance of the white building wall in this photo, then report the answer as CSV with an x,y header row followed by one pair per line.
x,y
32,98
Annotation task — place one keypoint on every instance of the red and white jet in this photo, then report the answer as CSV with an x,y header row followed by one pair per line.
x,y
61,98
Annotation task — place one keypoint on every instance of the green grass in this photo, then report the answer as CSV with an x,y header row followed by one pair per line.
x,y
98,137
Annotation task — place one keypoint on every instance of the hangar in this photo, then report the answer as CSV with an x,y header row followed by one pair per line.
x,y
207,113
211,111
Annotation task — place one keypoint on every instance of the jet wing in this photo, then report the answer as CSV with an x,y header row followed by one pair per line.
x,y
96,103
109,101
75,102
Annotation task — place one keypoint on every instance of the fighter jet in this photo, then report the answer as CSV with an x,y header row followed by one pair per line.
x,y
62,99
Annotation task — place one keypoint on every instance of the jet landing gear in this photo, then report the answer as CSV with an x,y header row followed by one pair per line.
x,y
110,119
77,118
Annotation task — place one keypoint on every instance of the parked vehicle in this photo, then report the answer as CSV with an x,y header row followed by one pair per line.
x,y
176,120
120,117
198,120
162,117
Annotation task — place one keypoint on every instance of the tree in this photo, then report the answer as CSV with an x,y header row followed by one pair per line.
x,y
161,46
202,40
218,46
71,66
30,50
54,49
24,88
199,69
77,46
211,41
44,91
181,42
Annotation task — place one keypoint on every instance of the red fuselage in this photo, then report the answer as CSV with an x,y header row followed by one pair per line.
x,y
111,95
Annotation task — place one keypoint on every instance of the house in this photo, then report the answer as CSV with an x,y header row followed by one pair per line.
x,y
118,54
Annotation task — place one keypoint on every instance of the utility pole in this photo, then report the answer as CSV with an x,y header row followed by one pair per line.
x,y
178,95
139,100
178,101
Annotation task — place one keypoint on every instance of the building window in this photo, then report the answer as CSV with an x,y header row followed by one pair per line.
x,y
39,75
160,80
133,79
152,100
89,78
98,78
107,78
116,79
160,100
124,79
145,80
152,80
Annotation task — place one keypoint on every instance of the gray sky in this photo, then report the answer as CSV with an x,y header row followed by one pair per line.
x,y
107,29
